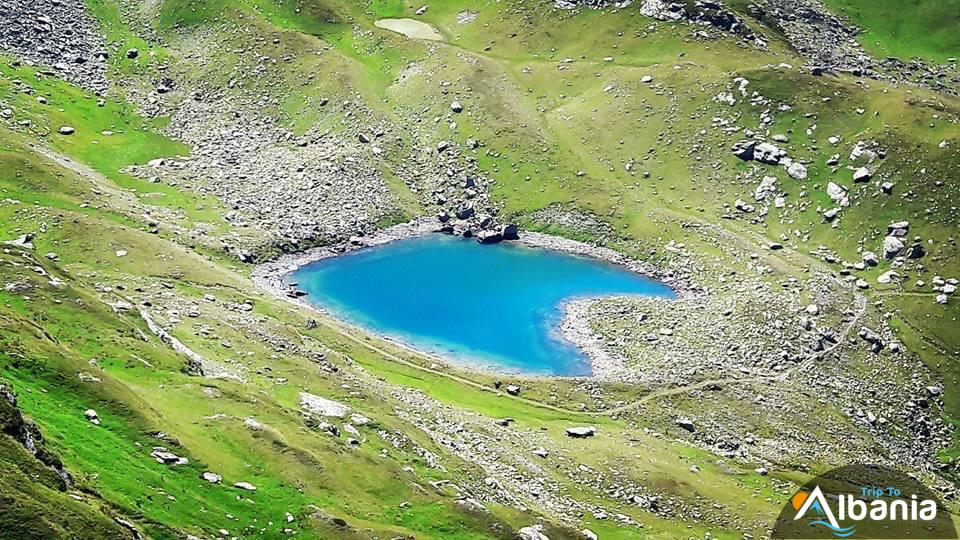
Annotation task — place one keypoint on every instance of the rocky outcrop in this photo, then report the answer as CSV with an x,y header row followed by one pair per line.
x,y
710,13
25,432
829,44
57,34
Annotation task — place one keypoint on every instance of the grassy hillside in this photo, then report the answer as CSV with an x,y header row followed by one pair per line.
x,y
917,28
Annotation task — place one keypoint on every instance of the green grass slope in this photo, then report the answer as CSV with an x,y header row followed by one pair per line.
x,y
929,29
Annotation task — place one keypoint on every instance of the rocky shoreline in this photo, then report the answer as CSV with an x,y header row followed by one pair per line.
x,y
574,327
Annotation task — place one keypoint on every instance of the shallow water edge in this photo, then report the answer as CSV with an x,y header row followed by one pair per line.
x,y
574,326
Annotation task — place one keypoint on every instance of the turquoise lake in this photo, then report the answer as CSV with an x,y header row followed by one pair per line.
x,y
489,306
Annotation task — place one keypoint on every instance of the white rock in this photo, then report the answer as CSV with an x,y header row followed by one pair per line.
x,y
765,188
359,419
797,171
888,277
581,432
531,533
838,194
312,404
861,175
892,246
211,477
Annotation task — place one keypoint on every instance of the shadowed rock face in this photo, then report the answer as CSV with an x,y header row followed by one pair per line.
x,y
24,431
57,34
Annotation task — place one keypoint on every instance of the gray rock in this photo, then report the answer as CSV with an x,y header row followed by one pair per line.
x,y
862,175
892,246
161,454
744,150
581,432
888,277
489,237
767,153
531,533
797,171
211,477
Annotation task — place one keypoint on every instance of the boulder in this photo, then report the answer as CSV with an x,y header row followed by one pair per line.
x,y
489,237
797,171
581,432
838,194
766,187
531,533
898,228
744,150
311,404
161,454
685,423
915,251
743,206
767,153
211,477
892,246
510,232
888,277
24,241
861,175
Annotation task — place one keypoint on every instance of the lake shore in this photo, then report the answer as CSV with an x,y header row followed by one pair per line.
x,y
574,326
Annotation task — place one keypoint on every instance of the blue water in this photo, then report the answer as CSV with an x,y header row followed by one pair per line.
x,y
493,306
